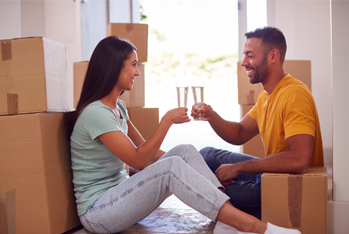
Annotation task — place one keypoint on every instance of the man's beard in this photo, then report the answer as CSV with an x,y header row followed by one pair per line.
x,y
260,71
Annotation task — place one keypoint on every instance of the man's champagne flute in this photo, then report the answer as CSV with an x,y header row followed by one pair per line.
x,y
198,93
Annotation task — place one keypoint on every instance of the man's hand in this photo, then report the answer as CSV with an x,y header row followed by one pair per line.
x,y
226,173
205,111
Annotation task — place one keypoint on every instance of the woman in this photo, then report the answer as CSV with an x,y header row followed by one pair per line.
x,y
104,139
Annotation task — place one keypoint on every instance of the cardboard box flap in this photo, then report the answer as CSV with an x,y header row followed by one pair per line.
x,y
312,171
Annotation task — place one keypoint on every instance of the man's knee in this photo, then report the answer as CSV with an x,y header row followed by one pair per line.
x,y
209,157
206,152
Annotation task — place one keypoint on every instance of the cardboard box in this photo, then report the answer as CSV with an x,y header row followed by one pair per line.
x,y
300,69
133,98
136,97
298,201
35,176
33,76
146,120
254,146
248,93
137,34
80,69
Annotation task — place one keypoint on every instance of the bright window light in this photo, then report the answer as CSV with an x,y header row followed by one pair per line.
x,y
256,14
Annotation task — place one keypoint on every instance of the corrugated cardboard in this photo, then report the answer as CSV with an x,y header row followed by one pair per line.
x,y
35,174
297,201
80,69
133,98
146,120
33,76
248,93
135,33
136,97
254,146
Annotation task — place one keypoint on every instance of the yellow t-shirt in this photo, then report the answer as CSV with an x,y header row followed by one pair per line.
x,y
289,110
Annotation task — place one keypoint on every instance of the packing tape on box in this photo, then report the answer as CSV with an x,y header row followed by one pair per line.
x,y
7,213
3,219
12,103
129,28
6,50
295,187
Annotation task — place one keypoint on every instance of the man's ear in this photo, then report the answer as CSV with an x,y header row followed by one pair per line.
x,y
274,55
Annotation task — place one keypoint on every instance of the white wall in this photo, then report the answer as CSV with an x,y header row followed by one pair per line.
x,y
32,18
306,26
10,19
62,24
94,21
340,65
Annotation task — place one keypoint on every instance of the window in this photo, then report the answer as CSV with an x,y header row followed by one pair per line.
x,y
192,39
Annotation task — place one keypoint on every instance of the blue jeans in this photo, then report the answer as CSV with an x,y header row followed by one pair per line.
x,y
245,190
181,171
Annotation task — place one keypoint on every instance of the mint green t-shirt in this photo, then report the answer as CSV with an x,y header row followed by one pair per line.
x,y
95,167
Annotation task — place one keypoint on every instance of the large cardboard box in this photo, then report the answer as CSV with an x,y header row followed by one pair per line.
x,y
298,201
146,120
35,176
248,93
80,69
136,97
133,98
254,146
33,76
135,33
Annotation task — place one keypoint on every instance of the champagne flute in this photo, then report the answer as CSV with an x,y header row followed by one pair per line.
x,y
198,93
182,94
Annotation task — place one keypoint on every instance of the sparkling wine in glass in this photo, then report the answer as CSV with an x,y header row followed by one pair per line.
x,y
198,93
182,95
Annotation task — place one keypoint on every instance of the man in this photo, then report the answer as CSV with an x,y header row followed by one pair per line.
x,y
285,116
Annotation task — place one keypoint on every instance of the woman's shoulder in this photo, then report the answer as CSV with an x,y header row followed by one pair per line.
x,y
92,106
95,108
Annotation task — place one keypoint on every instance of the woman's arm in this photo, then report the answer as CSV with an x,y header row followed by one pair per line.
x,y
139,157
138,139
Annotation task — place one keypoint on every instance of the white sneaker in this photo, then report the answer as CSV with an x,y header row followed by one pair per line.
x,y
273,229
222,228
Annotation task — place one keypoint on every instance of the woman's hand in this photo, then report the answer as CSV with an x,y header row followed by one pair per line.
x,y
177,115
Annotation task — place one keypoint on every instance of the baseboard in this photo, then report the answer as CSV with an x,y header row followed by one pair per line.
x,y
338,213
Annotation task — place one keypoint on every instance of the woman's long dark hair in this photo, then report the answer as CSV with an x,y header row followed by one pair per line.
x,y
103,72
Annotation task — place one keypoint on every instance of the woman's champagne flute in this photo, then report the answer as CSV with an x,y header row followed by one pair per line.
x,y
182,94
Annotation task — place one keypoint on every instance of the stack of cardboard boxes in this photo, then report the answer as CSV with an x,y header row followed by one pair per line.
x,y
36,190
145,120
288,200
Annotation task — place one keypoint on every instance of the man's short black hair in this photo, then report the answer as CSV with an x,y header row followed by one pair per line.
x,y
272,38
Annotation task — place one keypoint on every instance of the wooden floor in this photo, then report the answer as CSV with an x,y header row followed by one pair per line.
x,y
172,216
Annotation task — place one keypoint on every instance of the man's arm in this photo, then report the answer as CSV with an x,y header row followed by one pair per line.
x,y
295,160
232,132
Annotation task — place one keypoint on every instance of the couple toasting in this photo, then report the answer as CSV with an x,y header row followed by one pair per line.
x,y
222,185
